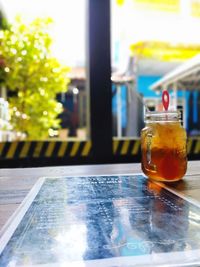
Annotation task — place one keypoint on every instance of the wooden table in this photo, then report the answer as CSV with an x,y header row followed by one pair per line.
x,y
16,183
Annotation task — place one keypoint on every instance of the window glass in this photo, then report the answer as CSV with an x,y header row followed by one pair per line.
x,y
43,93
149,40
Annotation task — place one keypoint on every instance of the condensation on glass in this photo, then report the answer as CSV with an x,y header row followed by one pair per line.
x,y
163,146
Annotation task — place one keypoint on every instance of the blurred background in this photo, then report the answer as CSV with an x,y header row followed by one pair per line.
x,y
44,88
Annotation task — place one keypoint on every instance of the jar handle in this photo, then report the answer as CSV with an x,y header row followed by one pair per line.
x,y
150,165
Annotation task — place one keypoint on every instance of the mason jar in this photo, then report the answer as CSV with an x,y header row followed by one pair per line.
x,y
163,146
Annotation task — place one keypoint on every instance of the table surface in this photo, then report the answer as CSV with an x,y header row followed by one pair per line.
x,y
16,183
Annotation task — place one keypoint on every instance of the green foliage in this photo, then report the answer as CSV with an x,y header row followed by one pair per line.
x,y
33,76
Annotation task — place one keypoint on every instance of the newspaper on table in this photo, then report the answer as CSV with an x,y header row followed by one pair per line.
x,y
123,220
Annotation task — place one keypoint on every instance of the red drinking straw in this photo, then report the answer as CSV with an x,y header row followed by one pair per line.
x,y
165,99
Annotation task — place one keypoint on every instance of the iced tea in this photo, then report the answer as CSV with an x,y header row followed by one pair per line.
x,y
163,147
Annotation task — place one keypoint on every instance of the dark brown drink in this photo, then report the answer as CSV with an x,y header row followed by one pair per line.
x,y
163,147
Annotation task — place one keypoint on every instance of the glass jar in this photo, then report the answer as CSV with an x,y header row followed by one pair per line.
x,y
163,146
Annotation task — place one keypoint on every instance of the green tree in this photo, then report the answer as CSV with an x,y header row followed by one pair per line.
x,y
33,77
